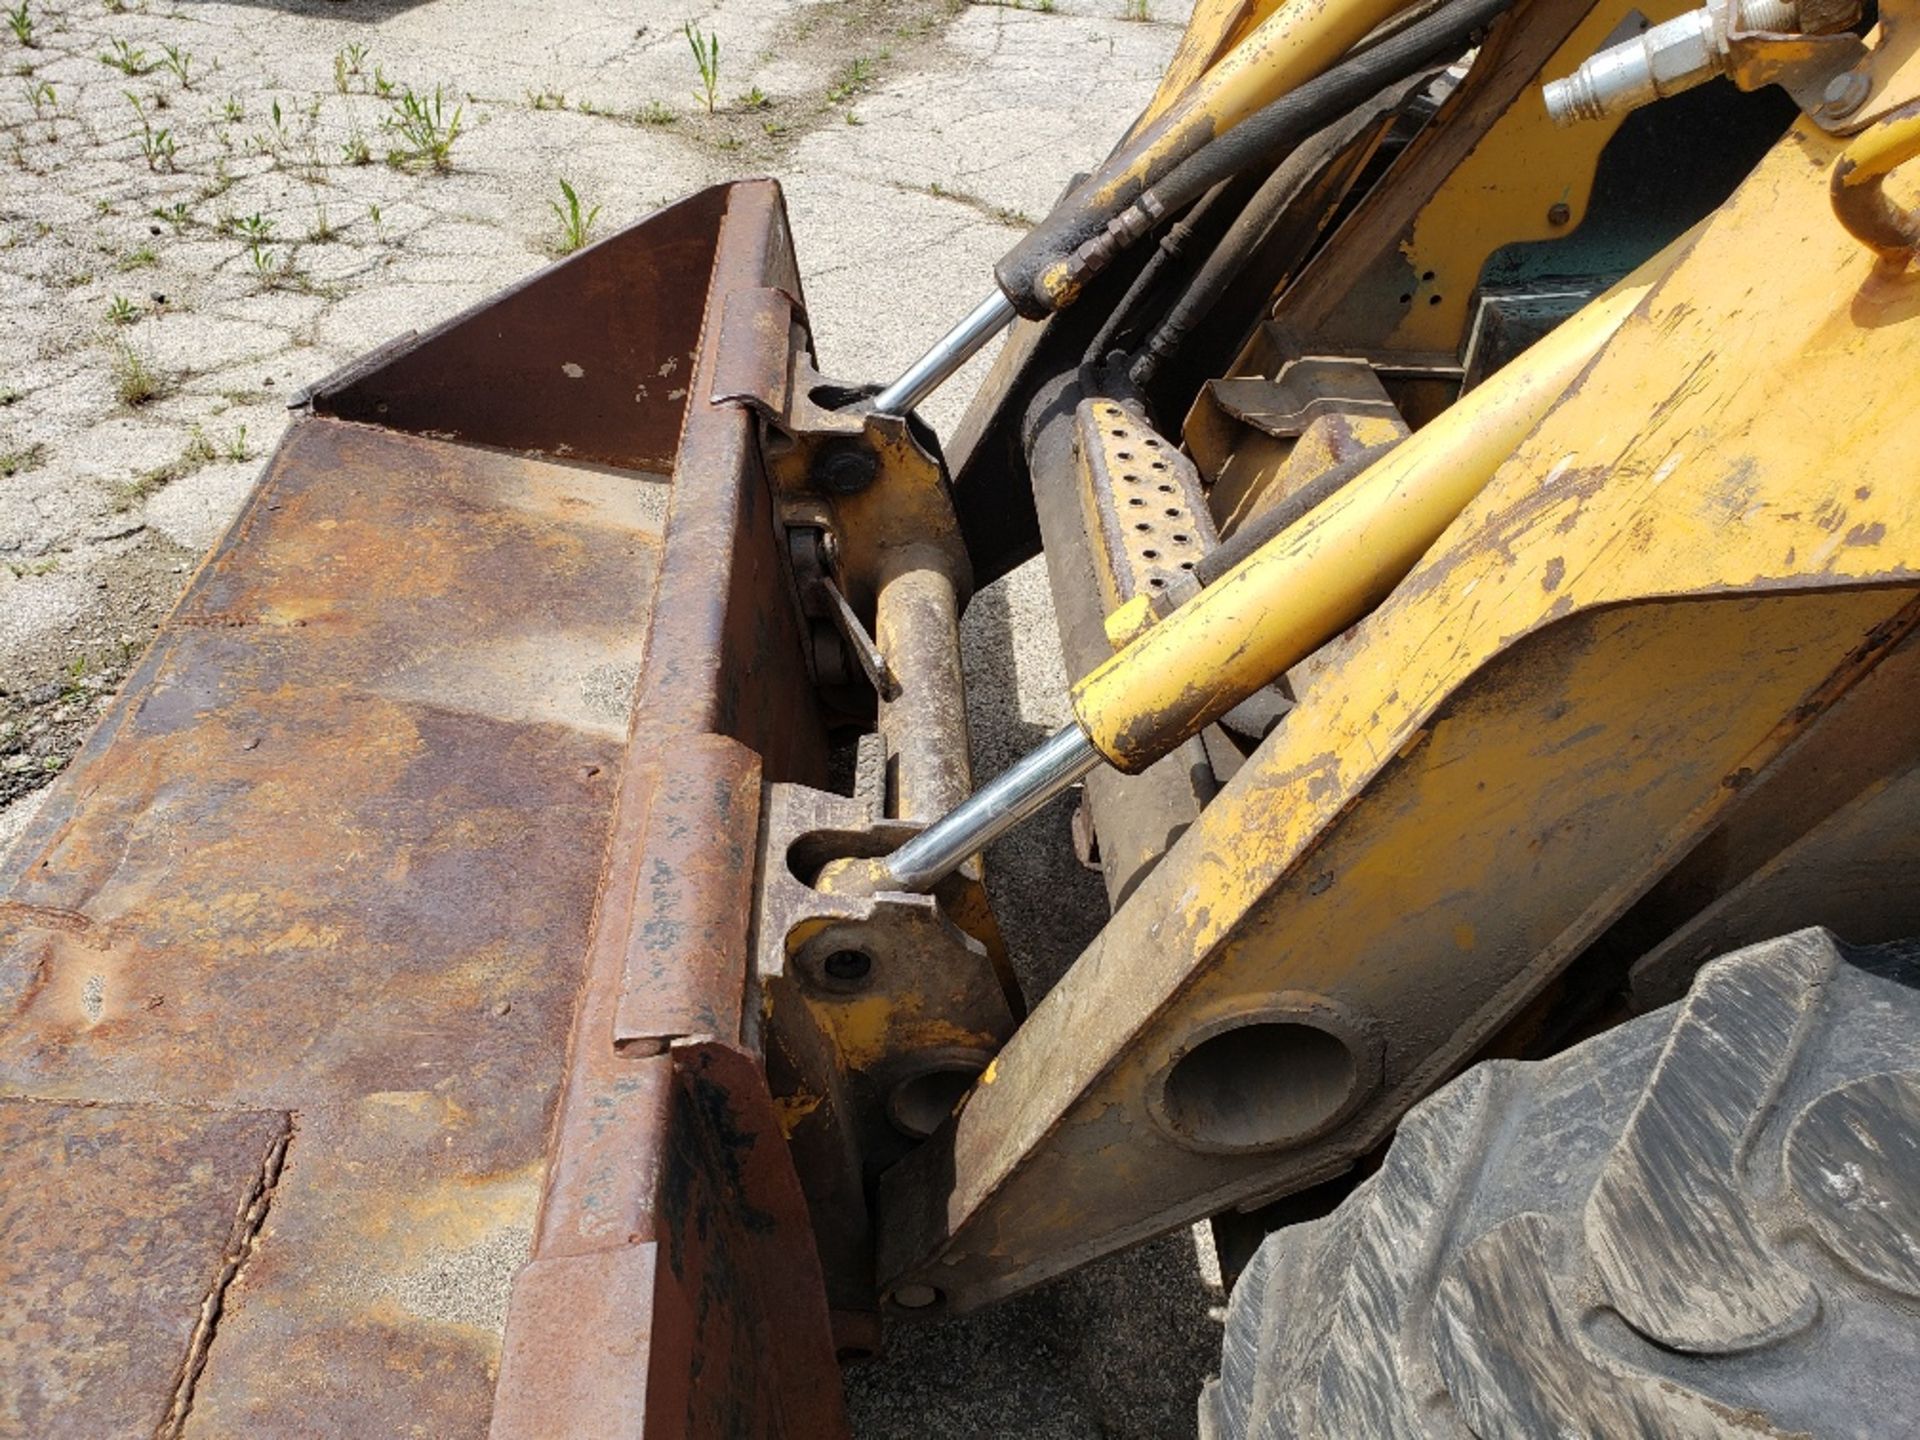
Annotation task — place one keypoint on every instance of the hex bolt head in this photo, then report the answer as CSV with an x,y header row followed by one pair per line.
x,y
1559,213
845,467
1845,93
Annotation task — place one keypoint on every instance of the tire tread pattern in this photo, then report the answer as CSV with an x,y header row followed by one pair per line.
x,y
1705,1222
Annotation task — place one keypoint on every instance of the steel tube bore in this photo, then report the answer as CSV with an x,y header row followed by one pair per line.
x,y
992,810
955,348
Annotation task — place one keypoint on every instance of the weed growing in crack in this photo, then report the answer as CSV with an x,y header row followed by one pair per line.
x,y
156,142
122,311
233,110
141,259
706,59
322,229
310,167
178,214
277,138
1138,11
157,148
754,99
21,23
575,224
654,112
216,184
135,382
999,214
129,60
856,76
76,686
180,63
354,149
18,459
548,99
40,95
425,129
198,451
347,63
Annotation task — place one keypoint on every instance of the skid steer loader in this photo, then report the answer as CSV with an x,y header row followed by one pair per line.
x,y
1474,449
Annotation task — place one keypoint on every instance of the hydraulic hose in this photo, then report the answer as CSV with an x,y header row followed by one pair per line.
x,y
1044,273
1200,226
1255,223
1266,136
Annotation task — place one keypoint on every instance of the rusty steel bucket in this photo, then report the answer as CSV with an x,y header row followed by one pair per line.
x,y
378,1057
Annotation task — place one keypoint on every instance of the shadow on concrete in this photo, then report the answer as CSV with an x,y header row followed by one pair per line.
x,y
1118,1350
1049,905
370,12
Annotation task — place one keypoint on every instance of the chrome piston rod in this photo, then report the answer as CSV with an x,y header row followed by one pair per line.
x,y
992,810
955,348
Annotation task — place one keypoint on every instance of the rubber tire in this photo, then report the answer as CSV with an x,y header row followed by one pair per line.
x,y
1704,1222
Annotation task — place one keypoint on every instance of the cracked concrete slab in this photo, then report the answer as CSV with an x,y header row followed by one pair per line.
x,y
200,217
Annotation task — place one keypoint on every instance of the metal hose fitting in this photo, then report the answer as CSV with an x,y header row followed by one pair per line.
x,y
1685,51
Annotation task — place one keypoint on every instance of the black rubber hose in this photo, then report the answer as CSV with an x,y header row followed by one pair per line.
x,y
1195,234
1255,223
1266,136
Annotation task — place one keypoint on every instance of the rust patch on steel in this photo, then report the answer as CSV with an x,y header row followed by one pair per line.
x,y
334,852
760,330
592,358
597,1328
122,1226
337,853
687,936
669,1182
